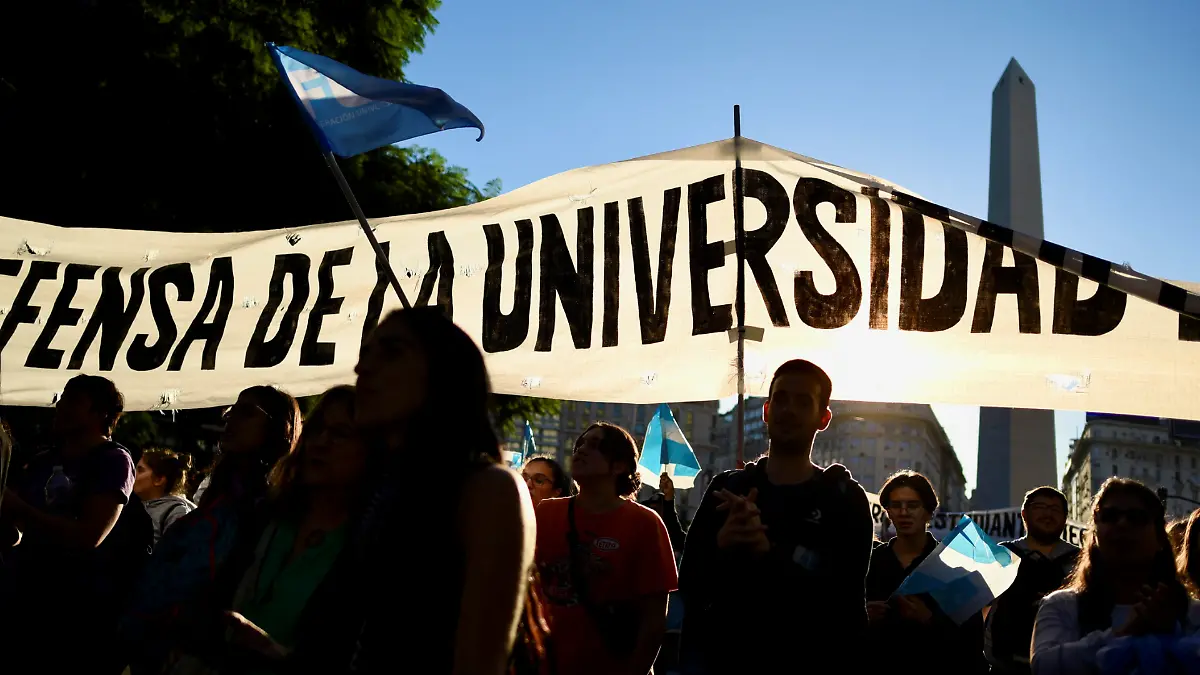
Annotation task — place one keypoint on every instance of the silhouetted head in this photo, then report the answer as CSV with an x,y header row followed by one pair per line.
x,y
797,405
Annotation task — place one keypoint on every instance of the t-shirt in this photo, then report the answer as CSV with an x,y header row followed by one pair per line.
x,y
106,470
80,593
629,557
276,589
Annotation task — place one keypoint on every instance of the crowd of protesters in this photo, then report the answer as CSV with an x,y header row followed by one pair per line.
x,y
382,533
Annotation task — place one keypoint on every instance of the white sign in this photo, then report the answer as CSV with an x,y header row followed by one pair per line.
x,y
609,283
999,524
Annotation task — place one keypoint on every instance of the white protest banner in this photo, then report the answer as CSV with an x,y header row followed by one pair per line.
x,y
611,283
999,524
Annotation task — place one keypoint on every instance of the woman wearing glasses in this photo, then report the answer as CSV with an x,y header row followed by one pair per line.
x,y
1125,583
900,623
546,479
261,428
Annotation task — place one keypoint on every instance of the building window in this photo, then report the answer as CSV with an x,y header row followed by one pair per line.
x,y
617,410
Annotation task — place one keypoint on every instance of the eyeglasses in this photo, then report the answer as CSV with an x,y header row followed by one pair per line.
x,y
1111,516
243,410
540,480
905,506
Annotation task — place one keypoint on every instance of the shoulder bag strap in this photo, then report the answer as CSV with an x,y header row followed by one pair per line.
x,y
575,558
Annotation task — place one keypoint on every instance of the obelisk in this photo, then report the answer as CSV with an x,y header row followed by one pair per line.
x,y
1016,446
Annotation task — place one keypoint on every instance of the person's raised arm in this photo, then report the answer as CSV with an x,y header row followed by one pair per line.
x,y
498,531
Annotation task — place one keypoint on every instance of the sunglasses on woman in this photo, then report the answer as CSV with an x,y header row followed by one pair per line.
x,y
1111,515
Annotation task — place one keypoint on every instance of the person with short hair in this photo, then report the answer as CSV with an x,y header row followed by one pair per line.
x,y
1046,562
779,548
605,561
901,622
70,570
160,480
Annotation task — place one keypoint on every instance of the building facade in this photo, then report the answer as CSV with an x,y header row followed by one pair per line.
x,y
555,435
1161,453
873,440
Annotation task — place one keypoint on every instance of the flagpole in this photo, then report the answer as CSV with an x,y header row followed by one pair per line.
x,y
739,233
381,258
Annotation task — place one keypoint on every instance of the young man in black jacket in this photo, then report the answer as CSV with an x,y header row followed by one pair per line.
x,y
1046,562
776,558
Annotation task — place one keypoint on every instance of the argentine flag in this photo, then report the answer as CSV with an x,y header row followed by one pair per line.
x,y
666,450
528,449
965,573
351,113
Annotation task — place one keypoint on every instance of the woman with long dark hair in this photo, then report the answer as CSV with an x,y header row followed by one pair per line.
x,y
1124,583
316,492
260,428
440,563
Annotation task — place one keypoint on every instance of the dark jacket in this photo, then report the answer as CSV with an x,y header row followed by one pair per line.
x,y
803,597
1010,622
899,646
670,518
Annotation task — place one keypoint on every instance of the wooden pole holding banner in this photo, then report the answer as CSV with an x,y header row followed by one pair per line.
x,y
739,234
381,259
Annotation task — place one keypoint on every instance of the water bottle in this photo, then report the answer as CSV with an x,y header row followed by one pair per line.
x,y
58,488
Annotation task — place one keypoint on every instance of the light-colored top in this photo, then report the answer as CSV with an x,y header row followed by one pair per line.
x,y
1059,649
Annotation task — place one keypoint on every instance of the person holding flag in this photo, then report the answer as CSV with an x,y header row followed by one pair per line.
x,y
900,621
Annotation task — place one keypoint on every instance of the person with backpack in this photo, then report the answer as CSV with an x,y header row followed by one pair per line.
x,y
781,546
84,537
1046,562
160,480
606,562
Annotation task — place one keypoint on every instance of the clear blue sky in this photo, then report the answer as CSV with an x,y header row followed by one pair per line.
x,y
903,93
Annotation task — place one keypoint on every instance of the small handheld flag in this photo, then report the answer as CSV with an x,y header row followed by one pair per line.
x,y
666,450
965,573
351,113
528,449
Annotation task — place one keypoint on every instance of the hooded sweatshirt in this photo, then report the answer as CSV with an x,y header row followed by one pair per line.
x,y
803,600
166,510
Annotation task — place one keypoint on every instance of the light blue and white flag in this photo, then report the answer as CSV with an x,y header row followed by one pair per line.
x,y
351,113
667,450
528,449
965,573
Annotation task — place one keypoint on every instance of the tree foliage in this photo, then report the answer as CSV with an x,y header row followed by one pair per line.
x,y
170,115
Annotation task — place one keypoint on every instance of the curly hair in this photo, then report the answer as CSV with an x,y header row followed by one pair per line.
x,y
618,446
1189,555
